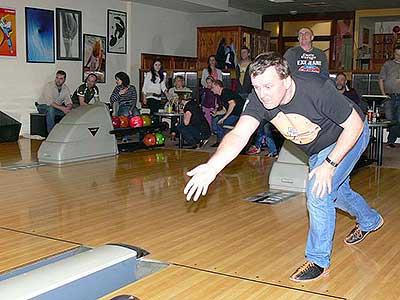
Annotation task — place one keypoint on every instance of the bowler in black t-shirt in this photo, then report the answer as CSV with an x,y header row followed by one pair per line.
x,y
308,110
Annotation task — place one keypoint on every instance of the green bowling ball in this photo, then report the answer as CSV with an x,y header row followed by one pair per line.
x,y
160,138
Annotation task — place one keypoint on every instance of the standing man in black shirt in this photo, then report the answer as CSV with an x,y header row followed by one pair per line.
x,y
86,93
233,105
308,110
195,129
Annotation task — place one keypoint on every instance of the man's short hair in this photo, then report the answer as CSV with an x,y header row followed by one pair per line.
x,y
219,83
269,59
91,74
245,48
62,73
396,48
341,73
179,77
298,31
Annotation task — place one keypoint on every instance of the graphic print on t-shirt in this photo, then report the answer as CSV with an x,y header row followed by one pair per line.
x,y
296,128
308,63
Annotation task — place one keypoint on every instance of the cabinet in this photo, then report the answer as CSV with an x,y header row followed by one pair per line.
x,y
382,50
208,39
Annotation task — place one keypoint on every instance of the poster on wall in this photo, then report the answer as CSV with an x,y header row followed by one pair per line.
x,y
116,31
69,34
94,56
8,33
39,33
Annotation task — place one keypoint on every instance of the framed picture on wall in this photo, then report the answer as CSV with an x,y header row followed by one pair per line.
x,y
39,32
8,33
116,31
69,34
94,56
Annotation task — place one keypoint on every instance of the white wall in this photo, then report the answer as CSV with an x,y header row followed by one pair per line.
x,y
150,30
21,82
170,32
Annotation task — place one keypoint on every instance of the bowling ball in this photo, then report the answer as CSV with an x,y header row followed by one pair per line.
x,y
160,138
116,122
124,121
146,120
136,121
155,120
149,140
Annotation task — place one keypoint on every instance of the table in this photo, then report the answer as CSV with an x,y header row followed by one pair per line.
x,y
170,116
375,150
375,99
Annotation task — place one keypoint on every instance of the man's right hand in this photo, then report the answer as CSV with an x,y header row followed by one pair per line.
x,y
202,176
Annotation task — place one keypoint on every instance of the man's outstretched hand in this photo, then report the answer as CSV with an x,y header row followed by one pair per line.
x,y
202,176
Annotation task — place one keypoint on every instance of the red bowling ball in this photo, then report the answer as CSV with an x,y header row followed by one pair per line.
x,y
135,122
116,122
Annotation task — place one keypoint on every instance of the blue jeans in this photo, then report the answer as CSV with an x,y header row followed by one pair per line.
x,y
392,112
265,130
219,128
51,113
322,211
191,135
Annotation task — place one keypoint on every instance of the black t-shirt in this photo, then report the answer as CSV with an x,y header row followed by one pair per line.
x,y
197,119
85,92
227,95
311,119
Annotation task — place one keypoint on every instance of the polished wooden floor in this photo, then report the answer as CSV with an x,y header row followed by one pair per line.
x,y
137,198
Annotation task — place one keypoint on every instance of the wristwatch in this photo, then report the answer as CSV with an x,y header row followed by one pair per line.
x,y
331,162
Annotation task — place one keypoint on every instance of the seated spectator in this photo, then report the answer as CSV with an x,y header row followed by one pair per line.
x,y
173,97
233,105
195,129
341,85
55,99
86,93
123,98
209,101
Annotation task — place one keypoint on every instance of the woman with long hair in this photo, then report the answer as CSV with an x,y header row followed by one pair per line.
x,y
211,71
153,86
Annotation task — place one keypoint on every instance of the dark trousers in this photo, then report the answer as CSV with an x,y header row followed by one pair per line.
x,y
154,105
191,135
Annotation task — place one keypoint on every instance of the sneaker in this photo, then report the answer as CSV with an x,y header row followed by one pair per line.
x,y
215,145
253,150
390,145
357,235
271,154
203,143
309,271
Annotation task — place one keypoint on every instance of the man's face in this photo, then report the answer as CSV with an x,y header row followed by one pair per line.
x,y
179,83
244,54
340,82
91,81
305,37
270,87
60,79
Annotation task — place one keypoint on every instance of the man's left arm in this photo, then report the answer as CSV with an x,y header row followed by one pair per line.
x,y
231,106
352,129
